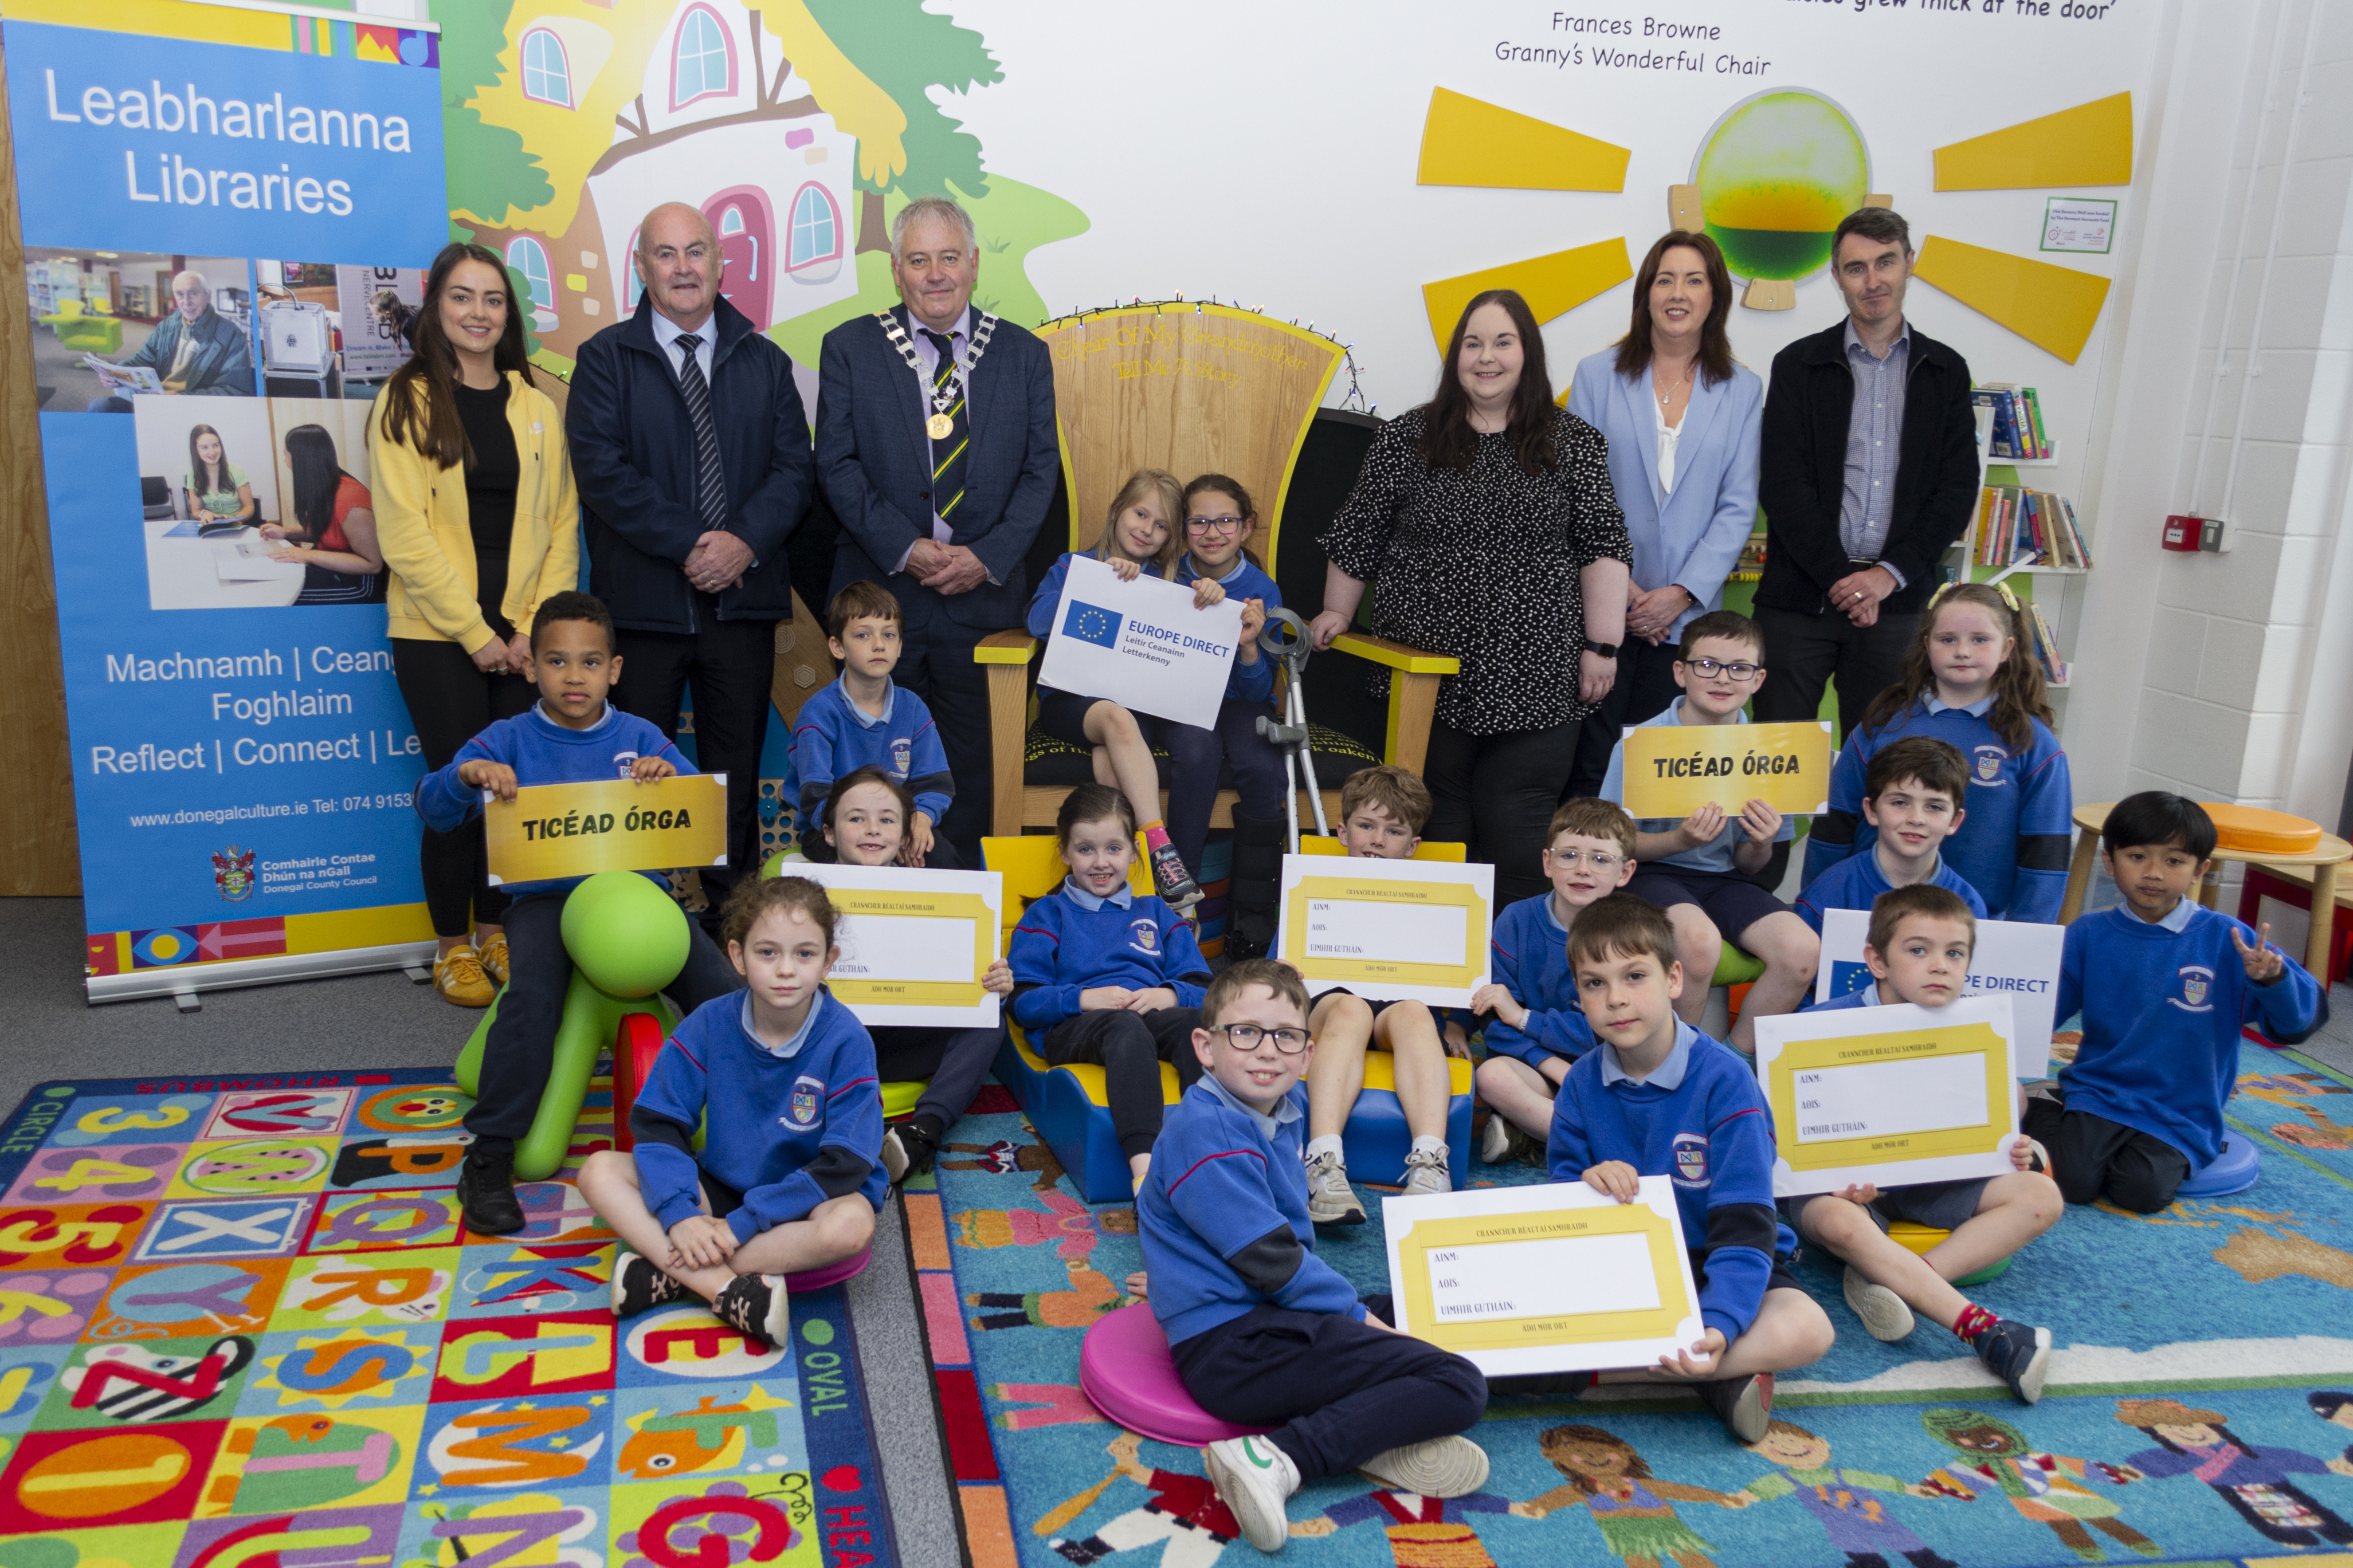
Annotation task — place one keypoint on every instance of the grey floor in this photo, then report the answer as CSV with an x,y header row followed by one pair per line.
x,y
377,1021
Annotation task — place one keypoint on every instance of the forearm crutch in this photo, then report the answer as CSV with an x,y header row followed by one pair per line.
x,y
1285,641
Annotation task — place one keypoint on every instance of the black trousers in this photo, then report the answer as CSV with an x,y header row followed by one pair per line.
x,y
450,701
935,664
1805,653
521,1047
2094,1158
730,665
1496,794
1336,1390
955,1060
1131,1046
1644,687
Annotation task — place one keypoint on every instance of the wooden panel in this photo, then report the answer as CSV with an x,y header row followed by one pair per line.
x,y
38,846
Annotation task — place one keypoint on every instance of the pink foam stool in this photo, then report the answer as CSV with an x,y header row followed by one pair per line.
x,y
1124,1369
831,1273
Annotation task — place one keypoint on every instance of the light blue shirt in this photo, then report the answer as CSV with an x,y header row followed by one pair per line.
x,y
1285,1110
2177,918
1977,709
667,333
791,1047
1124,899
1874,430
866,720
1715,854
1668,1075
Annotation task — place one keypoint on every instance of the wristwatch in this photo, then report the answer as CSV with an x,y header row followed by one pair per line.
x,y
1606,650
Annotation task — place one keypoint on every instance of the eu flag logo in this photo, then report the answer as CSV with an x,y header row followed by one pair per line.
x,y
1091,623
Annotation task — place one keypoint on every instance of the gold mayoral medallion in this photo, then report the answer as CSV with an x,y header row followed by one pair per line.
x,y
938,427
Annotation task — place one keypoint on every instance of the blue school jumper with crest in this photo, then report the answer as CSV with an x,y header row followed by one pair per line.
x,y
1530,954
1249,682
1856,882
833,736
1061,948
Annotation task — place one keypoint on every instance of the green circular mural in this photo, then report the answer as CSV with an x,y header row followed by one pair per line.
x,y
1775,176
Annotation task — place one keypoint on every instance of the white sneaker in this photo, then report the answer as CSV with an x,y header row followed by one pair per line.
x,y
1330,1199
1496,1146
1441,1468
894,1157
1254,1478
1884,1315
1426,1173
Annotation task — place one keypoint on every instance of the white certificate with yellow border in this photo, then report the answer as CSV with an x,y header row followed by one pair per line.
x,y
914,943
1558,1278
1893,1096
1390,930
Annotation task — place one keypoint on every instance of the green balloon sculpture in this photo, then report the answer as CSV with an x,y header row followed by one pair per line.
x,y
628,939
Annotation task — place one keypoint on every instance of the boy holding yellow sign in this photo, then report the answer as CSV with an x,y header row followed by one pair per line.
x,y
1698,868
1918,951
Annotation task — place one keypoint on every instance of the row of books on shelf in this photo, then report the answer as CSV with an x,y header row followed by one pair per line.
x,y
2045,645
2014,522
2018,432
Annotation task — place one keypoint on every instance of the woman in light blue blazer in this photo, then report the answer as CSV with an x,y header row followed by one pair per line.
x,y
1682,421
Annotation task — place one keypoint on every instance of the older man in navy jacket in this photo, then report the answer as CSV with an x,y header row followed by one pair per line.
x,y
692,456
936,443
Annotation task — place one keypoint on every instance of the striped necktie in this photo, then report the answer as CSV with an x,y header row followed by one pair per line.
x,y
710,482
948,455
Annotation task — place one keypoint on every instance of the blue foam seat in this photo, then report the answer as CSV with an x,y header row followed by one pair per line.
x,y
2238,1167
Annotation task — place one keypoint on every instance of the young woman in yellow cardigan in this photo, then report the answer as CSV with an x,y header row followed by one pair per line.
x,y
479,523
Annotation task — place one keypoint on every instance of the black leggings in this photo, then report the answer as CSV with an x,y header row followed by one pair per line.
x,y
1131,1046
450,701
1496,794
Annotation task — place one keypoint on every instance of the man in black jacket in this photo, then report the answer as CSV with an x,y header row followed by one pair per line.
x,y
692,456
1867,476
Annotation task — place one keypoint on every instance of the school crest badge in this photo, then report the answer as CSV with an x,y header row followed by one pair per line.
x,y
1144,936
902,753
2197,981
1989,760
233,873
807,1103
1691,1159
623,761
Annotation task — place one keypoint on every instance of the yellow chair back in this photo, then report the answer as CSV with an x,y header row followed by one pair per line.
x,y
1316,843
1031,865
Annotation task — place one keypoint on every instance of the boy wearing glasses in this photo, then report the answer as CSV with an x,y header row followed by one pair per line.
x,y
1264,1332
1912,796
1698,869
1537,1028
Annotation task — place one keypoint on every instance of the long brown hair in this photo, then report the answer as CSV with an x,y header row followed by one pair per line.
x,y
1447,439
1714,344
2020,697
421,398
209,477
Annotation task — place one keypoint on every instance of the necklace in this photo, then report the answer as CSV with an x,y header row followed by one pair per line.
x,y
1667,396
949,392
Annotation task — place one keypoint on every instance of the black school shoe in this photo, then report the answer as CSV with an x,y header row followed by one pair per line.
x,y
908,1150
486,1191
1745,1404
756,1305
2018,1354
640,1287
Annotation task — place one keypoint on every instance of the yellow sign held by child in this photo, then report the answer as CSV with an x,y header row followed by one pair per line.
x,y
1672,770
612,825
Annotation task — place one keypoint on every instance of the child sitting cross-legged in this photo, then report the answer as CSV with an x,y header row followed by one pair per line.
x,y
782,1080
1911,797
1539,1030
1381,813
1918,952
1102,974
2164,985
865,719
570,735
866,816
1657,1098
1698,869
1264,1332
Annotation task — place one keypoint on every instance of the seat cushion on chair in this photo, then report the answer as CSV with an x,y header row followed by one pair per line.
x,y
1920,1238
1734,967
1048,760
2238,1167
1126,1372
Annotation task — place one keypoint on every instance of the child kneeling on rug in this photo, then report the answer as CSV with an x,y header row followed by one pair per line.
x,y
1918,952
2165,985
1264,1332
1657,1098
782,1082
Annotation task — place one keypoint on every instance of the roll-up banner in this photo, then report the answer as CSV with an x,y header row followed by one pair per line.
x,y
226,209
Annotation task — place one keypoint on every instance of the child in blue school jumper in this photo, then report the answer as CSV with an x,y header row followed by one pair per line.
x,y
1657,1098
781,1082
1100,974
1918,952
1970,680
1912,796
1140,534
1538,1030
1264,1332
2165,985
570,735
867,720
1218,523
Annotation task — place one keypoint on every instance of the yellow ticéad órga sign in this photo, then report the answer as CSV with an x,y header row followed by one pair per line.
x,y
1672,770
549,831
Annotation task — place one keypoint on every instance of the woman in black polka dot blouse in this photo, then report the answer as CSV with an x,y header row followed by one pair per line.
x,y
1486,516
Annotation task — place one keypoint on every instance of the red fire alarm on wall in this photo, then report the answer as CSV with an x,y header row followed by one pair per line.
x,y
2183,531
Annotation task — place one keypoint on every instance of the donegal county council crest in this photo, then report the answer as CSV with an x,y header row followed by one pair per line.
x,y
233,873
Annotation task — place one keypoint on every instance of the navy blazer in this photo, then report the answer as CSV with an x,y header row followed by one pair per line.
x,y
1694,535
634,457
875,464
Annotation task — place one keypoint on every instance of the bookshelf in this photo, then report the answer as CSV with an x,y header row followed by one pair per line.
x,y
2025,518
